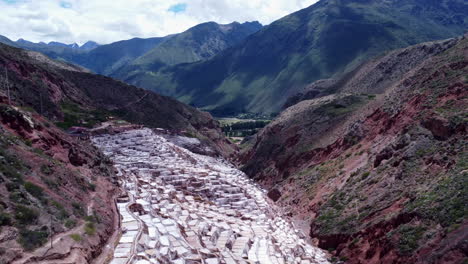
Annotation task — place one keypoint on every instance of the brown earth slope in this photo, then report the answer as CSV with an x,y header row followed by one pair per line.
x,y
377,170
50,185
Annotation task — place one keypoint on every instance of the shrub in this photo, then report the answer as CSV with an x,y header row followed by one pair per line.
x,y
409,238
34,190
70,223
5,219
92,187
18,197
28,142
12,186
61,213
26,215
90,229
30,239
52,184
10,173
46,169
89,218
76,237
365,175
78,209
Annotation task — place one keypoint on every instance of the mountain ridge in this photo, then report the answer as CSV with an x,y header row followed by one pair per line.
x,y
109,58
327,39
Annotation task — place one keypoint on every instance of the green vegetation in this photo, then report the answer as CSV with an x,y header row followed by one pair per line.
x,y
25,215
46,169
78,208
445,203
90,229
76,237
61,211
318,42
74,115
10,166
343,106
70,223
34,190
51,183
30,239
244,128
365,175
409,237
5,219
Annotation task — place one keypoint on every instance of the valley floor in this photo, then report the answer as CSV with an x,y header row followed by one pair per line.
x,y
188,208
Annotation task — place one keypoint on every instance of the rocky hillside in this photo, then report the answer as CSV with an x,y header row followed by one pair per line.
x,y
51,185
376,172
69,96
324,40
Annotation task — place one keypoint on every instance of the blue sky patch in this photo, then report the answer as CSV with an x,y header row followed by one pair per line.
x,y
65,4
10,1
178,8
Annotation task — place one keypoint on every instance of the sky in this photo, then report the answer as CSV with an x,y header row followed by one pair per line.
x,y
106,21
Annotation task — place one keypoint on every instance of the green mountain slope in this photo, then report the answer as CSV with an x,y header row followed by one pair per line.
x,y
103,59
197,43
119,59
108,58
322,41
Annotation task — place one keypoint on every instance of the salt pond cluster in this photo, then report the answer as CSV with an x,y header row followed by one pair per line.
x,y
183,207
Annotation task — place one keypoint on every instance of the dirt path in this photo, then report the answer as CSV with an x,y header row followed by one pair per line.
x,y
43,251
108,250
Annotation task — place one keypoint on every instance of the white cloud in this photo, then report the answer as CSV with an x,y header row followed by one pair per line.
x,y
107,21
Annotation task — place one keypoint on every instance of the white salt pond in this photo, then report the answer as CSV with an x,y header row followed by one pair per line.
x,y
186,208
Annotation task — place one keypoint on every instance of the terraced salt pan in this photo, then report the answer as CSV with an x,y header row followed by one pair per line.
x,y
188,208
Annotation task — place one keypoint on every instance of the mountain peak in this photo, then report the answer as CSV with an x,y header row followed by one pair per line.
x,y
90,45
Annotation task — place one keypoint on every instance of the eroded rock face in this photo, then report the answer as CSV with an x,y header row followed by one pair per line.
x,y
189,208
439,127
76,158
274,194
